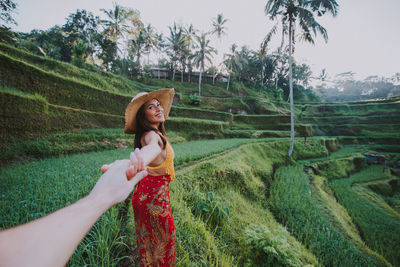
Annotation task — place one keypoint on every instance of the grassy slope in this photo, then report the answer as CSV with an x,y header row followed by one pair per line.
x,y
236,181
341,220
52,97
296,207
379,224
212,245
373,122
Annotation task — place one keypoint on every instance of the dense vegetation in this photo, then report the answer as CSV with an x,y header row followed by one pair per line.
x,y
238,199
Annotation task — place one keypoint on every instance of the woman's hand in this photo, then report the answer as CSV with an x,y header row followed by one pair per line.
x,y
136,164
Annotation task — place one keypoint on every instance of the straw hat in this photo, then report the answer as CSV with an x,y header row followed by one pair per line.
x,y
164,96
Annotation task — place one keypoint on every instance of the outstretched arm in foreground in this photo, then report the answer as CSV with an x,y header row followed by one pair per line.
x,y
51,240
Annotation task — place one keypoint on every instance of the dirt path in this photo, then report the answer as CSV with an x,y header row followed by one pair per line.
x,y
213,156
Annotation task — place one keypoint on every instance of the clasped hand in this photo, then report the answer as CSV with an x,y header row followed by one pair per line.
x,y
114,184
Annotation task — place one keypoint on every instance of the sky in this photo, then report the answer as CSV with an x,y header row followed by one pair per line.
x,y
363,38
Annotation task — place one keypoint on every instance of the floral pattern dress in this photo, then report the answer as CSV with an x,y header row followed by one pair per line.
x,y
155,229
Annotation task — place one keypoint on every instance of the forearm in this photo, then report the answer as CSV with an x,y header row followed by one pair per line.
x,y
150,152
51,240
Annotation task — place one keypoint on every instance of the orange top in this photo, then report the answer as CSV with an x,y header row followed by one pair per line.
x,y
168,162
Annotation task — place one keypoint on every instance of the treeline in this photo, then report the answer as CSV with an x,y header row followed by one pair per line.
x,y
345,88
123,44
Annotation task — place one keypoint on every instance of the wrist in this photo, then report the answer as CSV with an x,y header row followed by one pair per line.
x,y
99,201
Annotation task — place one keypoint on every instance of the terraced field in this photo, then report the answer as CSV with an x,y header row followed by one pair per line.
x,y
238,200
369,122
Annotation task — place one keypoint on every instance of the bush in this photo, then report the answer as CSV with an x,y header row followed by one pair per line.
x,y
194,100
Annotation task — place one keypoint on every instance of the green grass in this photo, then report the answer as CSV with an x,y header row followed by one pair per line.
x,y
339,167
340,218
187,88
16,92
256,133
35,189
71,92
352,109
51,174
103,80
296,207
378,223
79,141
344,152
197,113
229,195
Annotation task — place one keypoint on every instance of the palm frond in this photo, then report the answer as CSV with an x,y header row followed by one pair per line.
x,y
323,6
308,23
267,39
273,7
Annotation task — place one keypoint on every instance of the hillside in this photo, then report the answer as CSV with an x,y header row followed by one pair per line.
x,y
376,123
237,200
51,97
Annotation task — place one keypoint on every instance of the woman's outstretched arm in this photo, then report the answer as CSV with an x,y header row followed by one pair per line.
x,y
152,147
142,157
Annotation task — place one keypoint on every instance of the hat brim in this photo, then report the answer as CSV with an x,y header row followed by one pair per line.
x,y
164,96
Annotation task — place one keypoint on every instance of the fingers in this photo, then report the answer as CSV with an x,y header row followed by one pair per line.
x,y
105,168
130,172
133,162
139,176
140,161
136,164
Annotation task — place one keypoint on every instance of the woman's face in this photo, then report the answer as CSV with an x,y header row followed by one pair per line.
x,y
154,112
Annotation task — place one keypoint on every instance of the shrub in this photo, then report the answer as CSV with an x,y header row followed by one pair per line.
x,y
194,100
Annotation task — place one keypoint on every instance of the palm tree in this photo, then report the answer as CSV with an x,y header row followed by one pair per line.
x,y
190,33
218,26
159,46
244,58
204,53
263,49
233,63
299,12
115,25
175,46
137,46
150,39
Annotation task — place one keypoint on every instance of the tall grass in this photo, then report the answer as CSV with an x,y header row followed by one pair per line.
x,y
378,224
296,208
38,188
32,190
228,195
234,184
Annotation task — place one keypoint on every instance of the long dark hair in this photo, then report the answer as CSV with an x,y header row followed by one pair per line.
x,y
143,126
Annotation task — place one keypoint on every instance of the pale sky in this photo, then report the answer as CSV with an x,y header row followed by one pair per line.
x,y
363,38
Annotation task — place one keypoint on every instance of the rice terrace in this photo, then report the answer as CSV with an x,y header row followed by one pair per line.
x,y
276,165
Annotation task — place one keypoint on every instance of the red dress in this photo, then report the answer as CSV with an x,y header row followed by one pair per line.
x,y
154,224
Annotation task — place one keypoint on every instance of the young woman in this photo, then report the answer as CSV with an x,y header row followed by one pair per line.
x,y
155,229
